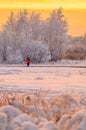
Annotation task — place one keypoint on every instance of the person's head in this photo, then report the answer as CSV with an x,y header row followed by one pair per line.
x,y
28,58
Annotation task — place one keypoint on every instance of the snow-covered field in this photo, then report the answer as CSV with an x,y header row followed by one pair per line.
x,y
44,77
45,97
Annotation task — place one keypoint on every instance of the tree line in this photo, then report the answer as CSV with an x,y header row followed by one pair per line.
x,y
27,34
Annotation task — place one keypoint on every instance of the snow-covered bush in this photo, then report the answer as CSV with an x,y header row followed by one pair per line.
x,y
20,119
14,56
61,124
10,111
36,50
78,121
3,121
28,126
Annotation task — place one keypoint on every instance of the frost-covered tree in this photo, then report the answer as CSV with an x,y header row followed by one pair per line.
x,y
15,32
56,33
30,38
36,50
22,30
22,23
35,22
2,48
14,56
9,35
25,34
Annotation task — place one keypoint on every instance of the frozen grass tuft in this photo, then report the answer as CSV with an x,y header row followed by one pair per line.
x,y
23,111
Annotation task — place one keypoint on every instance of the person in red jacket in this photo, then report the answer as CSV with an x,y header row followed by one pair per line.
x,y
28,61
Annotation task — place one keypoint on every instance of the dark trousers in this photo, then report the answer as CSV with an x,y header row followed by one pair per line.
x,y
27,64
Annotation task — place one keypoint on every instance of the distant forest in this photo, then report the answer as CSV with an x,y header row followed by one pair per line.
x,y
43,40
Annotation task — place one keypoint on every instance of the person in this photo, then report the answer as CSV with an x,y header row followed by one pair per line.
x,y
28,61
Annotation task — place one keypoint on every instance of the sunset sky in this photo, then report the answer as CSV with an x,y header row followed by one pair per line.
x,y
43,4
74,11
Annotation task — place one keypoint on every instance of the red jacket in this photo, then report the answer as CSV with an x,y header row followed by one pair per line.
x,y
27,60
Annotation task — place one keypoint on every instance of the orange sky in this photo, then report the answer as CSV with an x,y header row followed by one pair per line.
x,y
42,4
74,11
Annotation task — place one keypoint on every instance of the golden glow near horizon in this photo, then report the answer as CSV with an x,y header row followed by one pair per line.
x,y
74,11
42,4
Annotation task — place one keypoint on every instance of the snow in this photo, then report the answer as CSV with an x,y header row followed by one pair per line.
x,y
58,77
43,96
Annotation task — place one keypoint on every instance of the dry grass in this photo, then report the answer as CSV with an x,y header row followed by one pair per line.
x,y
50,108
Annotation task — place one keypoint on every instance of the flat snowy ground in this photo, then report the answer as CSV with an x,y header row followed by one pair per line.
x,y
56,77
